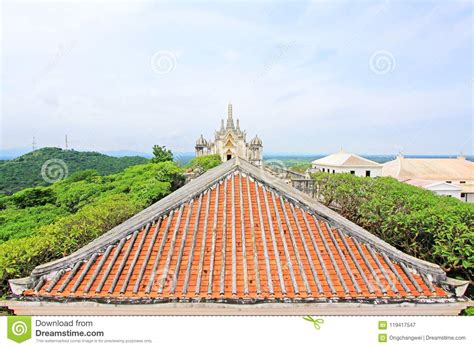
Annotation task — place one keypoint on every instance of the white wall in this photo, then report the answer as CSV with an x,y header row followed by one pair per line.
x,y
469,197
359,171
453,193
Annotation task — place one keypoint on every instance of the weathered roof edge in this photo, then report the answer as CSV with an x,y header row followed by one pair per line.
x,y
208,179
341,222
368,162
140,219
176,308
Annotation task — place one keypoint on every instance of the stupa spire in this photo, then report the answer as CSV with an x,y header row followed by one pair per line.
x,y
230,120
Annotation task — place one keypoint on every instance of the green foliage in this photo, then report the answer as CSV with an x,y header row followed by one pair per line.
x,y
83,175
25,171
3,201
85,206
468,311
300,167
78,194
18,223
420,223
204,163
161,154
19,257
33,197
291,161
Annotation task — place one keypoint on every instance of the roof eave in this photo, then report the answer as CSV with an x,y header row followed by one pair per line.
x,y
452,307
208,179
344,224
141,219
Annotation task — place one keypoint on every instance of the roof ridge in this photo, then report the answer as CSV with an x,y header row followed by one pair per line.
x,y
208,180
346,226
363,159
140,220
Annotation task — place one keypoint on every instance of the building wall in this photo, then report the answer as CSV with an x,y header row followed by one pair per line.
x,y
232,144
359,171
231,141
468,197
451,193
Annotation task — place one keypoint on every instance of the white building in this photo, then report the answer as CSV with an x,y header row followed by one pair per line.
x,y
344,162
452,177
230,141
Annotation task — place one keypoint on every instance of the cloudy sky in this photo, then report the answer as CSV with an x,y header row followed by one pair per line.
x,y
307,77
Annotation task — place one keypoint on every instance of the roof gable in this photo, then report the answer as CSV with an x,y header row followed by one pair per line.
x,y
429,168
233,233
342,158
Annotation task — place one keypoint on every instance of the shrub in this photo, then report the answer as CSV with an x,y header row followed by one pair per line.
x,y
83,175
20,223
33,197
85,207
161,154
417,221
19,257
204,163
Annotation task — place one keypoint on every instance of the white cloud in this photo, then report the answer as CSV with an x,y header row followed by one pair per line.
x,y
302,84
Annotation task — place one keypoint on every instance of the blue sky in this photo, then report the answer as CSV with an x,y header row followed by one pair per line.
x,y
306,76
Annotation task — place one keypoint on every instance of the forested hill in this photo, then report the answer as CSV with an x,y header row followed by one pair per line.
x,y
46,165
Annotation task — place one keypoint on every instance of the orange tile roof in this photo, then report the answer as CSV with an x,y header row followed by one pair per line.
x,y
238,239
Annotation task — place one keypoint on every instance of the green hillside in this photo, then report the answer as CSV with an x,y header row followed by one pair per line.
x,y
41,224
26,171
44,223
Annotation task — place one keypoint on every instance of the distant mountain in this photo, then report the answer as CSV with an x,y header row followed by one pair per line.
x,y
8,154
124,153
43,166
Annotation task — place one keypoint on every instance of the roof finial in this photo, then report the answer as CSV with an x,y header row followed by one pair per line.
x,y
230,121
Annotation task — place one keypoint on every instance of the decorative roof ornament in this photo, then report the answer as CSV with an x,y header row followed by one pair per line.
x,y
256,141
230,120
201,141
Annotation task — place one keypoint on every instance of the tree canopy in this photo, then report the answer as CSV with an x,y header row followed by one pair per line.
x,y
161,154
44,223
417,221
26,171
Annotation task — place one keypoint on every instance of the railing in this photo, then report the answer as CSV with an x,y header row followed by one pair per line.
x,y
304,185
297,180
287,173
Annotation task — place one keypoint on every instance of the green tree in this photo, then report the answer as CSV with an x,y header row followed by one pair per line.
x,y
417,221
161,154
204,163
32,197
26,171
44,223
